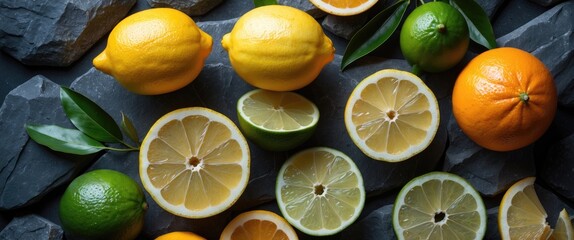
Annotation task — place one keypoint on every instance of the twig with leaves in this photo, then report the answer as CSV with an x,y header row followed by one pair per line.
x,y
94,128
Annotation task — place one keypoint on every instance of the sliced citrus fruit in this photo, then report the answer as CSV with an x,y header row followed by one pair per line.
x,y
180,236
521,215
344,7
194,162
563,229
439,205
277,121
258,225
320,191
392,115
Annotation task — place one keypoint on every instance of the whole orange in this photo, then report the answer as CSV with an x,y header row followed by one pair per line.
x,y
504,99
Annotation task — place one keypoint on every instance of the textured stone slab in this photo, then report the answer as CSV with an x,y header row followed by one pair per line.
x,y
344,27
29,171
547,3
56,33
490,172
304,5
377,225
31,227
551,44
558,169
490,6
189,7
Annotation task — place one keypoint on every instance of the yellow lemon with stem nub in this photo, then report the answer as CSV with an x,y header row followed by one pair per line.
x,y
278,48
155,51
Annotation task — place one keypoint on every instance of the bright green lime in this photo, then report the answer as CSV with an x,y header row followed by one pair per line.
x,y
277,121
103,204
434,37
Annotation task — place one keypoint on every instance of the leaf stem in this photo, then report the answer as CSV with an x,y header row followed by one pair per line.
x,y
422,2
120,149
128,145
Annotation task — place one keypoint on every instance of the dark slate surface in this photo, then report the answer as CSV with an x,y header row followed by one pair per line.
x,y
29,171
31,227
490,172
56,33
190,7
558,171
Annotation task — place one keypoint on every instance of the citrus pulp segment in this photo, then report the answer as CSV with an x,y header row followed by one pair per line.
x,y
439,205
392,115
521,215
320,191
277,121
258,225
563,229
344,7
194,162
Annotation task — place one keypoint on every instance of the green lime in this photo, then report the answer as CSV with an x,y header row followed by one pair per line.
x,y
439,205
277,121
103,204
434,37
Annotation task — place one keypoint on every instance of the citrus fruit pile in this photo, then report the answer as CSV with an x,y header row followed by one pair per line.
x,y
195,162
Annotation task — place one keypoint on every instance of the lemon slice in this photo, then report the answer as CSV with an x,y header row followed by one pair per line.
x,y
320,191
194,162
392,115
258,225
563,229
439,205
277,121
521,215
344,7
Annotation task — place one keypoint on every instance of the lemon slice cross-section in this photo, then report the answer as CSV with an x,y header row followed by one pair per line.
x,y
194,162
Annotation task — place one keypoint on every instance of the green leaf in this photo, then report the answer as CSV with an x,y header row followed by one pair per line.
x,y
88,117
129,128
63,139
375,33
478,23
259,3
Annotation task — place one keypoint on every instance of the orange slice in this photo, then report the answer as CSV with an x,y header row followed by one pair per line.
x,y
344,7
258,225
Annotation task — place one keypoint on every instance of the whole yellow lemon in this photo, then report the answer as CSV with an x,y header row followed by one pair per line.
x,y
278,48
155,51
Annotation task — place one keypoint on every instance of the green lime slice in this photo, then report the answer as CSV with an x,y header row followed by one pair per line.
x,y
439,205
277,121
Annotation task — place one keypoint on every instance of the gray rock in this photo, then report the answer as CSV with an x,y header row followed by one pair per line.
x,y
29,171
490,6
554,46
31,227
304,5
377,225
552,203
492,232
490,172
558,169
344,26
217,29
547,3
189,7
56,33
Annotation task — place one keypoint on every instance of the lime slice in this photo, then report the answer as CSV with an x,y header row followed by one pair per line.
x,y
439,205
521,215
392,115
563,229
194,162
320,191
277,121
